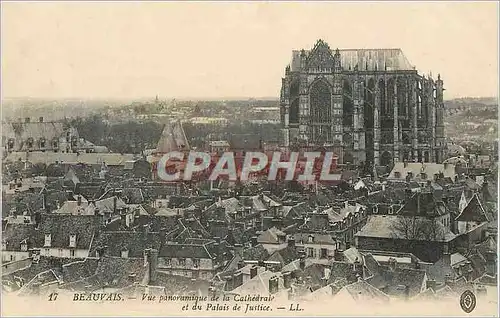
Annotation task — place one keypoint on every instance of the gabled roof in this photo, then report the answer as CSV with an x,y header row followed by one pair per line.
x,y
362,292
61,226
15,234
473,212
396,226
135,243
270,236
285,255
364,59
173,138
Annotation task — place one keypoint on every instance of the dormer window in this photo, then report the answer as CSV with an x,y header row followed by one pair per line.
x,y
397,174
124,253
29,142
42,142
310,239
48,240
10,144
72,240
24,246
423,176
4,244
55,143
391,210
375,209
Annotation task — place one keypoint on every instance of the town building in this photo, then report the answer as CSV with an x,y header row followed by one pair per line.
x,y
370,105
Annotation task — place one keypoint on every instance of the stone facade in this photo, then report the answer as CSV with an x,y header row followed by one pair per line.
x,y
370,105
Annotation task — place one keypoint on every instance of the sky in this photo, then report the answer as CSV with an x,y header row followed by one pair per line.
x,y
229,49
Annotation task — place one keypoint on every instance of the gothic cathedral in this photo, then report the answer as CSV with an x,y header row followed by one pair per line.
x,y
369,105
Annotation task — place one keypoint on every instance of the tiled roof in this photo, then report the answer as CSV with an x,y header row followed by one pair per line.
x,y
341,270
61,226
78,270
270,236
255,253
14,234
258,285
135,242
112,272
362,292
317,238
173,138
393,227
285,255
473,212
198,251
423,203
179,285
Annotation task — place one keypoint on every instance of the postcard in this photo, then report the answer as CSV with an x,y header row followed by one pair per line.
x,y
222,158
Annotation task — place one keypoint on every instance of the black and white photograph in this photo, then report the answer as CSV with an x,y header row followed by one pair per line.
x,y
232,158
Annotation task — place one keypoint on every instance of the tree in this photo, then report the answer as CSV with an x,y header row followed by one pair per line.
x,y
415,228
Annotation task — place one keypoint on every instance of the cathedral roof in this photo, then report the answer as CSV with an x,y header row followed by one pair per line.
x,y
365,59
172,138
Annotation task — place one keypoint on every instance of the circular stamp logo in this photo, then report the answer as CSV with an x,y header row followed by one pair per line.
x,y
468,301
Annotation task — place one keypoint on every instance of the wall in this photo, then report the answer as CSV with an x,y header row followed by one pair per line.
x,y
10,267
425,250
12,256
64,253
317,249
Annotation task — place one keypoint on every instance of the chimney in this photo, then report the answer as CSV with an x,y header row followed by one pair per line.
x,y
254,241
405,164
152,263
287,279
447,259
392,263
291,241
40,119
253,271
302,263
273,285
237,279
27,120
338,256
115,200
123,220
163,234
145,228
431,283
346,204
38,219
101,251
79,200
241,264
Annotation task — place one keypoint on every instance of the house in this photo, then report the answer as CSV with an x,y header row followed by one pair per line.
x,y
272,239
68,236
394,233
315,245
17,240
197,258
